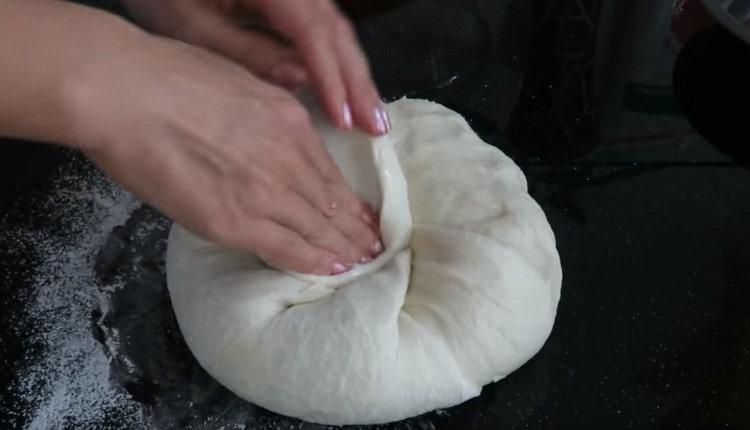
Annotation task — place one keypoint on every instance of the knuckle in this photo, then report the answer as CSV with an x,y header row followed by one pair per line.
x,y
325,234
294,113
223,231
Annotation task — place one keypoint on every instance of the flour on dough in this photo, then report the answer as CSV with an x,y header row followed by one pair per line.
x,y
465,293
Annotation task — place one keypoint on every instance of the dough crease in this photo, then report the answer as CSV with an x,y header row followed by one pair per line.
x,y
464,294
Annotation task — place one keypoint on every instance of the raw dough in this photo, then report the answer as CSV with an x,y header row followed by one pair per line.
x,y
465,293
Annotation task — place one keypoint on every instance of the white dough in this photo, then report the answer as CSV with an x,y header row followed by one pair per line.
x,y
465,293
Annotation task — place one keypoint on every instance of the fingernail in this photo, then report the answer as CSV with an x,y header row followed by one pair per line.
x,y
377,247
339,268
346,116
381,122
386,119
365,260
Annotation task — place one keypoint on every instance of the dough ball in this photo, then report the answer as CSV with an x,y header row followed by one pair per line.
x,y
465,293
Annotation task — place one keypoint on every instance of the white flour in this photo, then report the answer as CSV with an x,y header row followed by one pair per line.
x,y
68,380
68,385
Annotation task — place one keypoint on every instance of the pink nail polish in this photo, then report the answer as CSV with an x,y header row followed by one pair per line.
x,y
339,268
380,123
386,119
346,116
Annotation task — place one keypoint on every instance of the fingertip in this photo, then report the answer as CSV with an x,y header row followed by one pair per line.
x,y
327,264
345,116
377,247
332,264
372,117
327,81
339,111
338,268
382,122
387,119
370,216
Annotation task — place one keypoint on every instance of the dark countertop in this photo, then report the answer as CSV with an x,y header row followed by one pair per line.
x,y
653,326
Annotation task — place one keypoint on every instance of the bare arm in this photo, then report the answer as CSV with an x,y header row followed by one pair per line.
x,y
44,46
230,157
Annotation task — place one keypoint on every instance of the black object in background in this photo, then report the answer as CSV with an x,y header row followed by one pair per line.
x,y
712,85
23,166
469,55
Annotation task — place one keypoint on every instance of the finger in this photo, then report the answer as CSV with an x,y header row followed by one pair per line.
x,y
327,81
372,218
284,248
367,109
297,214
356,221
334,200
288,74
342,208
258,52
309,29
315,152
352,225
321,182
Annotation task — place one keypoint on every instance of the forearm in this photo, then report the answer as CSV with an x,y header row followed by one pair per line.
x,y
45,47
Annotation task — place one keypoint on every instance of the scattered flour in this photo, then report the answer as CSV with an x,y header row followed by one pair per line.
x,y
67,385
67,379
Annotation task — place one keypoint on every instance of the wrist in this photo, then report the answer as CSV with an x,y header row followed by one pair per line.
x,y
89,89
46,48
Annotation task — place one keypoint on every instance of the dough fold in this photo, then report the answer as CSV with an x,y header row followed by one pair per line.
x,y
465,293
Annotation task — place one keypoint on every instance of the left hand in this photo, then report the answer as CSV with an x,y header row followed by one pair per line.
x,y
303,42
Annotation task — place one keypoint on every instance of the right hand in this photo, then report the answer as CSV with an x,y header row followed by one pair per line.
x,y
229,157
312,43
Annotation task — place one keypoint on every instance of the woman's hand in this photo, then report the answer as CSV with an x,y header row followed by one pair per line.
x,y
312,42
226,155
